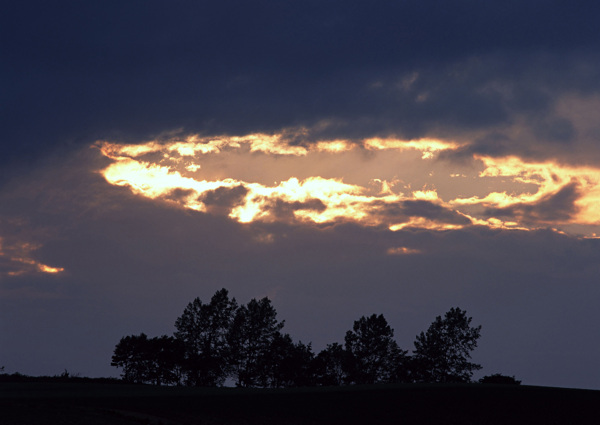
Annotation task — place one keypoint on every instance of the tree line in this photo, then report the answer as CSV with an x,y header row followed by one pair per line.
x,y
221,341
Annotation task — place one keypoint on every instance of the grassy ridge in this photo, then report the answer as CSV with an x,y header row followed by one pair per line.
x,y
119,404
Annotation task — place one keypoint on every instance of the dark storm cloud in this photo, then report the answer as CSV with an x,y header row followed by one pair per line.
x,y
421,208
429,210
285,210
552,129
75,72
494,144
554,207
178,194
224,198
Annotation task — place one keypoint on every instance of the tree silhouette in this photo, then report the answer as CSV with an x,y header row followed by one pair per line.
x,y
221,340
169,355
251,338
498,378
291,363
442,353
156,360
129,355
330,365
373,353
204,329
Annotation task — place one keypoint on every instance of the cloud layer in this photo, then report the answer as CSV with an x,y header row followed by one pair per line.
x,y
512,77
517,193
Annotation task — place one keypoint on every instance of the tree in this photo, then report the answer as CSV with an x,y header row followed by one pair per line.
x,y
442,353
203,330
252,336
130,354
374,355
330,365
156,360
291,363
168,360
498,378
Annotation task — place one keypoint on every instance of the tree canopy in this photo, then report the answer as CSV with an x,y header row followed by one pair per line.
x,y
222,341
204,330
253,332
373,354
442,353
149,360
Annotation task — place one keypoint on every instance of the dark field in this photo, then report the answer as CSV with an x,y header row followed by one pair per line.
x,y
119,404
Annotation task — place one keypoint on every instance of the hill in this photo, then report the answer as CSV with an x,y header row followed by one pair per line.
x,y
103,403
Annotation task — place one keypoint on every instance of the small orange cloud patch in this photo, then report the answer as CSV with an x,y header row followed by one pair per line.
x,y
402,250
17,259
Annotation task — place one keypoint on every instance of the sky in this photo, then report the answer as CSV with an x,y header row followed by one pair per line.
x,y
343,158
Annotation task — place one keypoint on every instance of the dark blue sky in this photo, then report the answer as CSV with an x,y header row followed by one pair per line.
x,y
74,72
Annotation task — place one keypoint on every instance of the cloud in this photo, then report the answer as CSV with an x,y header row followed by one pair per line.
x,y
230,68
429,210
553,129
17,259
494,145
223,199
178,195
402,250
254,178
285,210
553,207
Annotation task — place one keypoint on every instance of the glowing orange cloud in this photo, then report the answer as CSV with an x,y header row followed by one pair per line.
x,y
427,146
547,178
274,144
402,250
18,260
337,200
305,183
